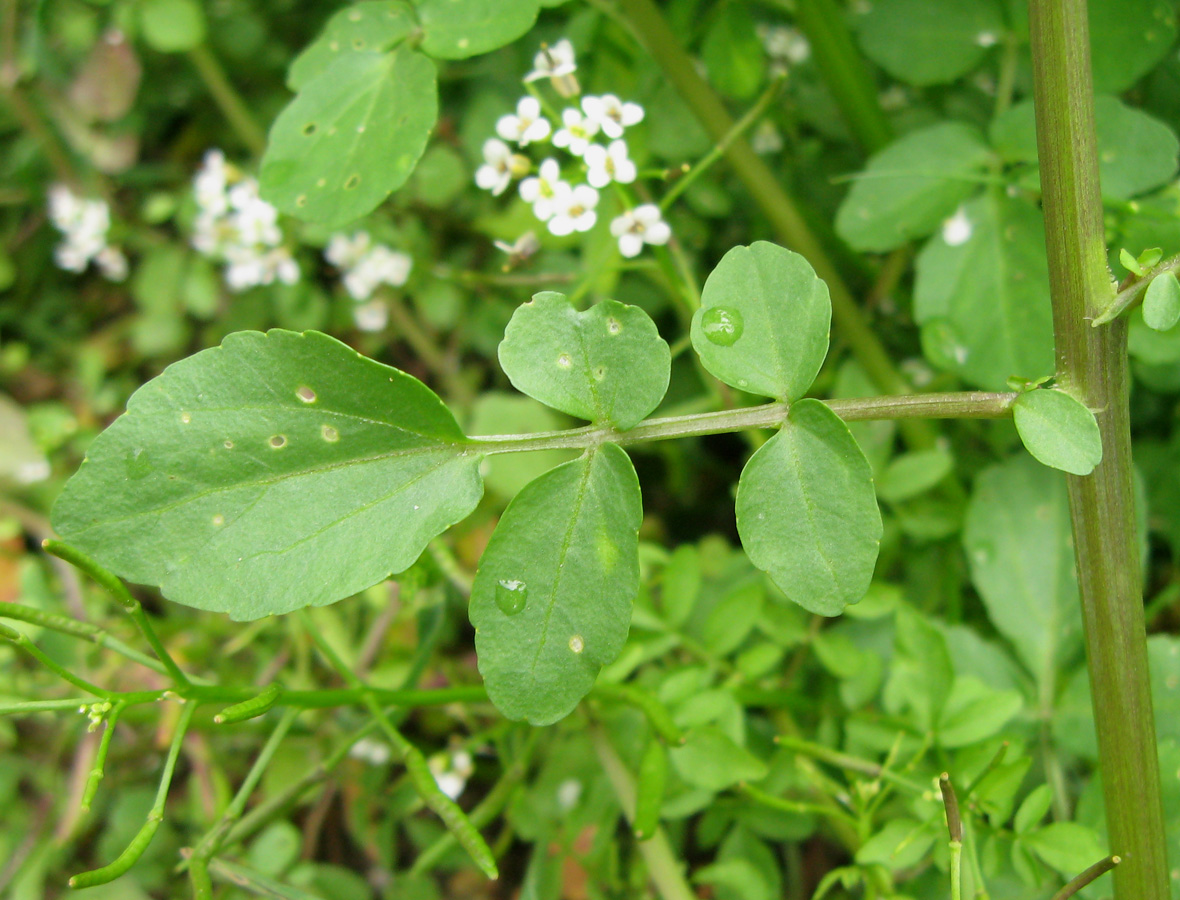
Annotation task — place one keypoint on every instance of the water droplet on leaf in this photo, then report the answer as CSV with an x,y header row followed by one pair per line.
x,y
722,326
511,595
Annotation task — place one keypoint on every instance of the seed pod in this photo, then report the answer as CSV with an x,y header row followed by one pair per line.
x,y
125,861
252,708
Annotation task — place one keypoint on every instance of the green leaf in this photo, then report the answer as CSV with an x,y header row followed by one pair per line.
x,y
172,26
371,26
1068,847
682,585
1058,430
911,186
921,673
914,473
710,759
983,298
807,513
763,322
552,598
457,29
1033,809
930,41
274,472
607,364
1161,302
351,136
1147,25
1019,545
974,712
1136,152
901,843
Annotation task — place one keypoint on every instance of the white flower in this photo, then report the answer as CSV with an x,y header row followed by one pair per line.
x,y
569,792
84,224
345,252
527,125
112,263
610,163
766,138
500,166
451,771
367,265
553,62
373,752
577,133
573,209
784,44
371,316
541,189
211,182
611,114
639,226
957,229
251,266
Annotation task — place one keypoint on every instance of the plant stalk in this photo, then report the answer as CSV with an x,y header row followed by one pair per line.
x,y
1092,365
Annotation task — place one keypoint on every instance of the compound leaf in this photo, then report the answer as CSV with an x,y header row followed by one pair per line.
x,y
551,603
1058,430
457,29
763,322
274,472
607,364
807,512
351,136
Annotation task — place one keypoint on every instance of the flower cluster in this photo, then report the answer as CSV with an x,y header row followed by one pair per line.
x,y
236,226
84,225
366,266
591,133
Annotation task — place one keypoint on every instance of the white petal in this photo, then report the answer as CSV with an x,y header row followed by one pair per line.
x,y
508,127
630,245
623,224
561,225
659,233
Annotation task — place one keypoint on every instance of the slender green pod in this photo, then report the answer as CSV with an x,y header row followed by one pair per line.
x,y
125,860
444,807
100,758
649,796
108,580
252,708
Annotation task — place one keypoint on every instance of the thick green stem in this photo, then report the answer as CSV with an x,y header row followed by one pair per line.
x,y
778,206
1092,364
235,109
844,71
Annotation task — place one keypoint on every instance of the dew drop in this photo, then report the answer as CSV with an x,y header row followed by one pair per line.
x,y
613,326
564,361
219,519
229,445
329,434
306,394
511,595
278,441
722,326
185,418
577,644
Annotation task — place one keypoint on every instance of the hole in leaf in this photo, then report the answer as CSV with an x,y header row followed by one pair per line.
x,y
564,361
219,519
229,445
301,200
309,129
278,441
352,181
577,644
329,434
185,418
306,394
